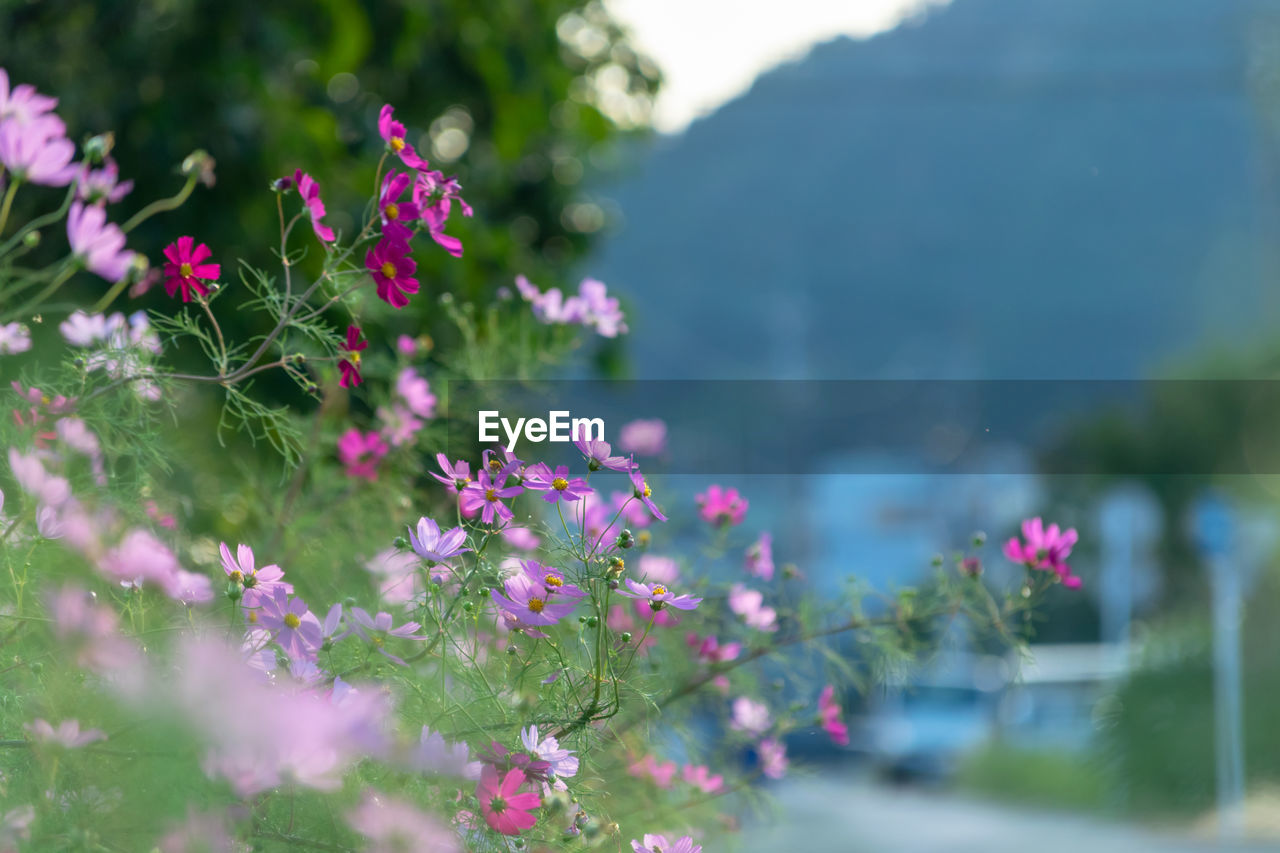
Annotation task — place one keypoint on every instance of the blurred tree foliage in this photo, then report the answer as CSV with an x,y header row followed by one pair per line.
x,y
521,100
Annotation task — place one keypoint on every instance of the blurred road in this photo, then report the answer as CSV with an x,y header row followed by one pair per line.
x,y
848,814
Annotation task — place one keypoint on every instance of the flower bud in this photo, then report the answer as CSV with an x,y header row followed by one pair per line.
x,y
613,583
234,590
626,636
282,185
616,567
200,164
468,606
512,650
98,148
979,538
593,621
400,543
936,561
31,239
625,539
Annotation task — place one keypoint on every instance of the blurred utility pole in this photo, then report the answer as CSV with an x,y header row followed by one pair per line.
x,y
1130,522
1215,526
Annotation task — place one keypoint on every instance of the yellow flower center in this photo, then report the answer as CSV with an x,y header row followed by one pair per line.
x,y
659,590
536,605
397,144
388,270
648,492
495,464
559,484
392,211
184,270
355,359
253,617
237,576
553,580
491,495
291,620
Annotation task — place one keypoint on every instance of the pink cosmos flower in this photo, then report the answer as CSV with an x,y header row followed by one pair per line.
x,y
699,776
722,506
186,267
556,485
141,558
773,758
258,582
456,475
416,393
552,578
521,537
660,772
430,543
93,631
399,426
38,151
600,455
659,596
393,133
829,712
198,833
433,754
406,345
14,338
295,627
28,470
392,269
434,195
22,103
505,809
659,844
350,367
395,826
640,488
98,244
750,716
531,603
601,311
709,650
657,569
563,763
400,579
485,495
394,212
643,437
376,630
67,735
759,561
310,192
360,453
1044,549
103,185
749,604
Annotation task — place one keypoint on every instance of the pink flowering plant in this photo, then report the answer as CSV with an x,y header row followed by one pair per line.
x,y
337,635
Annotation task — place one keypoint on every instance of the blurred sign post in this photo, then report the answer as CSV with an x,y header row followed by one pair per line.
x,y
1216,530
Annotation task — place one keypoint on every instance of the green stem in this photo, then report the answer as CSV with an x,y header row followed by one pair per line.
x,y
8,203
53,286
160,206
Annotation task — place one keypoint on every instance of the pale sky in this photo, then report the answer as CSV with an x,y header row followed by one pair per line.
x,y
712,50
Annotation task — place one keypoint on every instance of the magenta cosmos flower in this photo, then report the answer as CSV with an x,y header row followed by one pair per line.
x,y
659,844
394,212
395,826
38,151
430,543
296,628
98,244
186,267
349,367
393,133
659,596
721,506
376,630
505,808
360,453
600,455
640,488
486,493
557,485
310,192
392,270
759,561
829,713
532,603
258,582
67,735
416,393
22,102
1045,549
456,475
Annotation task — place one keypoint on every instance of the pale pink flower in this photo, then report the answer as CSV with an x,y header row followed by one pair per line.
x,y
643,437
67,735
749,604
659,772
750,716
773,758
98,244
699,776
